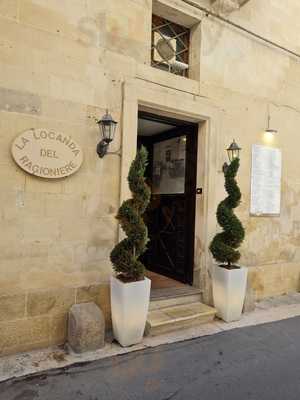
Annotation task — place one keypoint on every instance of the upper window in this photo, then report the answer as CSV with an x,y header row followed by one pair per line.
x,y
170,46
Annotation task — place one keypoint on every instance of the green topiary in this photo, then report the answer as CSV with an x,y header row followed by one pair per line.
x,y
125,255
224,244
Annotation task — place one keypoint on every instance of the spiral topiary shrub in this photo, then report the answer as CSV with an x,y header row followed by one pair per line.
x,y
125,255
225,244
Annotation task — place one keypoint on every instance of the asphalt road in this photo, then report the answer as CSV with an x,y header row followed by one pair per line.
x,y
261,363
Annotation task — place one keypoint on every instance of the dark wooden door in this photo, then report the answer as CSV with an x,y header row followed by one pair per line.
x,y
170,217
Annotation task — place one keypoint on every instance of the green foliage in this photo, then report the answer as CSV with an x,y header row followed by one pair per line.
x,y
125,255
225,244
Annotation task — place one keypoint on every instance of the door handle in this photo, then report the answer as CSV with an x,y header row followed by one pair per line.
x,y
199,191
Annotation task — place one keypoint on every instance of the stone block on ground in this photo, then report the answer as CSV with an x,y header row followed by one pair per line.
x,y
86,327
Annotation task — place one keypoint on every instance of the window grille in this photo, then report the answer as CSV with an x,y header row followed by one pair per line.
x,y
170,46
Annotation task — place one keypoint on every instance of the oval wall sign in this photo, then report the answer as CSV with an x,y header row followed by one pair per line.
x,y
46,153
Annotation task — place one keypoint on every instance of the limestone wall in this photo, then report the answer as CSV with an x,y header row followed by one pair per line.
x,y
63,63
245,77
55,237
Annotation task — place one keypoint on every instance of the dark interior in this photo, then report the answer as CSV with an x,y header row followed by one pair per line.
x,y
171,175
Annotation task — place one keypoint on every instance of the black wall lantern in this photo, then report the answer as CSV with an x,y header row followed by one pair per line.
x,y
233,151
270,130
107,128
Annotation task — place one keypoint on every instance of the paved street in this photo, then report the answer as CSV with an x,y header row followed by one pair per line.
x,y
261,363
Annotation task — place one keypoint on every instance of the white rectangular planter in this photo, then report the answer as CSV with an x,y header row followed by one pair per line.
x,y
229,290
129,308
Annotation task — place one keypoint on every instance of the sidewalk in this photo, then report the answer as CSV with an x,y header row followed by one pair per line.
x,y
275,309
252,363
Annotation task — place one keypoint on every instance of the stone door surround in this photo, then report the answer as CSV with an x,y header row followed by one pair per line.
x,y
139,94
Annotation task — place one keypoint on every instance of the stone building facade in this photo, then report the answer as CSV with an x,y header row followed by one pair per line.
x,y
62,63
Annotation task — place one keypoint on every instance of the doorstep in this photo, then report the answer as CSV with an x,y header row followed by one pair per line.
x,y
37,361
176,309
178,317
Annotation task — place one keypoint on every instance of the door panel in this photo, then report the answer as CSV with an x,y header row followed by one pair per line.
x,y
166,249
170,217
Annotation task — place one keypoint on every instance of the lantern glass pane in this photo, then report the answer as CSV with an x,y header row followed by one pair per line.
x,y
103,131
106,131
107,128
229,152
235,154
113,130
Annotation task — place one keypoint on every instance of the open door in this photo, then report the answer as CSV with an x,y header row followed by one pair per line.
x,y
170,217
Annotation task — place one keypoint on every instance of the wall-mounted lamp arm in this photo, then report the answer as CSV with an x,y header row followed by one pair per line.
x,y
102,148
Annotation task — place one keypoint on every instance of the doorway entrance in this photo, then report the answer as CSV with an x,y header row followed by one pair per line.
x,y
171,175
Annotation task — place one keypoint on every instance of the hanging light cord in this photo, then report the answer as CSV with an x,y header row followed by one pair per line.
x,y
237,26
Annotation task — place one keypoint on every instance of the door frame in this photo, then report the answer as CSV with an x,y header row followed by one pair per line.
x,y
190,179
165,100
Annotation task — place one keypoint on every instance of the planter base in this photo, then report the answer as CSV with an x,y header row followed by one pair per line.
x,y
229,289
129,307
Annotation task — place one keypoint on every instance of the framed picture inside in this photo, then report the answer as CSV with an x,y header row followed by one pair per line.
x,y
168,174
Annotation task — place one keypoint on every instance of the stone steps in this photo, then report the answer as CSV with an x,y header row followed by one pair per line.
x,y
164,293
174,317
157,302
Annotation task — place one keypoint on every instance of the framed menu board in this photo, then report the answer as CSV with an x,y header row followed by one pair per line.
x,y
168,175
265,181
